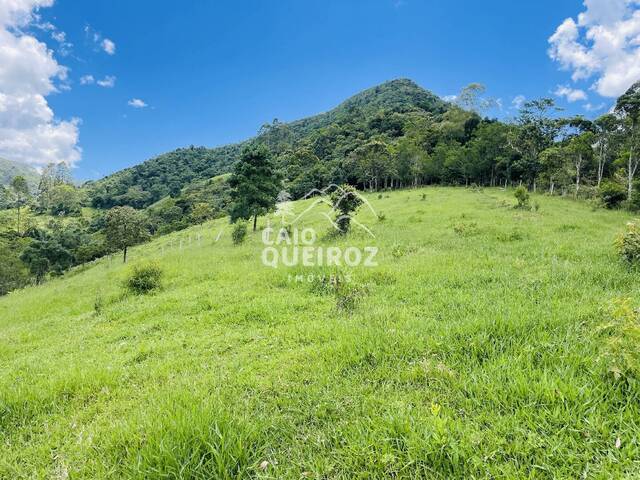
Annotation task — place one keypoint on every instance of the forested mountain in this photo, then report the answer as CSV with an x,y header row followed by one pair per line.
x,y
379,110
9,170
391,136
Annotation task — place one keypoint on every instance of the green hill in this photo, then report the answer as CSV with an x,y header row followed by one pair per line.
x,y
9,170
473,350
379,110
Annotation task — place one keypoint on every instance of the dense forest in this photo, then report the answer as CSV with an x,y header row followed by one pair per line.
x,y
396,135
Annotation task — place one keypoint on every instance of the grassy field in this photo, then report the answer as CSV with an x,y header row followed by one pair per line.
x,y
472,351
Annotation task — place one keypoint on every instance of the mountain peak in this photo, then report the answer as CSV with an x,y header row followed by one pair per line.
x,y
400,94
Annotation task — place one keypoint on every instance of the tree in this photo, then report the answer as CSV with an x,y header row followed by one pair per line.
x,y
581,150
20,189
201,212
255,185
605,129
12,271
471,99
64,199
534,132
628,105
304,172
46,254
5,198
373,163
44,187
124,228
554,168
346,200
62,174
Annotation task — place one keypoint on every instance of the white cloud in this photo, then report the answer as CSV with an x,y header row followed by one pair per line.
x,y
450,98
107,82
571,94
137,103
108,46
518,101
87,80
105,44
60,37
29,131
603,44
594,108
19,13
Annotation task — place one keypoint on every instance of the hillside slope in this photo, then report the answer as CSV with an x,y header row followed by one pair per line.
x,y
145,184
471,351
9,170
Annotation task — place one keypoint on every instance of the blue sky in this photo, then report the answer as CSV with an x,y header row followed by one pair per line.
x,y
211,72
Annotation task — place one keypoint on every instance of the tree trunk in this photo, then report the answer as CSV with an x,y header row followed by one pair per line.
x,y
124,255
601,161
632,169
633,166
255,222
18,225
578,168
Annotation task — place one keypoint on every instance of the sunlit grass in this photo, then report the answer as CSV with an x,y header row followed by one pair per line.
x,y
472,351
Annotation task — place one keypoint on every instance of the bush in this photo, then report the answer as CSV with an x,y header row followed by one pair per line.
x,y
522,196
349,296
239,233
466,229
612,194
399,251
346,200
628,244
144,278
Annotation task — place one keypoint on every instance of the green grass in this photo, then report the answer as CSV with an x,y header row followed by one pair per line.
x,y
471,351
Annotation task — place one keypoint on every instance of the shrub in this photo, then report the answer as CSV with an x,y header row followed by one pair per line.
x,y
239,233
399,251
466,229
347,292
628,243
522,196
511,236
346,200
588,192
349,295
612,194
144,278
381,217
